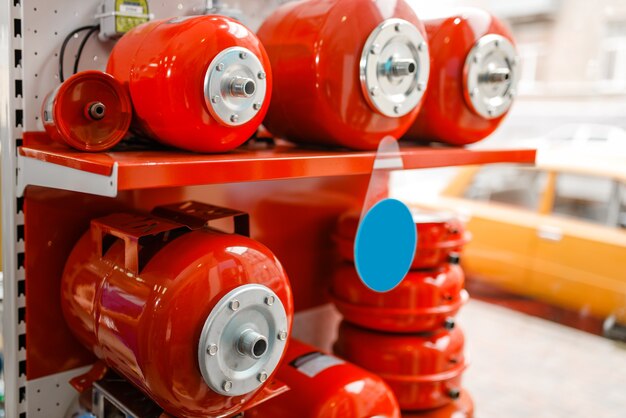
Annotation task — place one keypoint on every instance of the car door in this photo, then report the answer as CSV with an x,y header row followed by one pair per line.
x,y
580,252
500,204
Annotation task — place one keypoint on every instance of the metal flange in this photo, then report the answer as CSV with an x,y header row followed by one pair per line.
x,y
235,86
242,340
491,75
394,68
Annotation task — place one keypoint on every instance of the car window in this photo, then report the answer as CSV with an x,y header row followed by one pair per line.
x,y
508,184
585,197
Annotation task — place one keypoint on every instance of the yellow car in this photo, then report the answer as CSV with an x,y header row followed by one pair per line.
x,y
555,231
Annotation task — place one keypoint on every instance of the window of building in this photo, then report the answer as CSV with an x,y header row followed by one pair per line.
x,y
508,184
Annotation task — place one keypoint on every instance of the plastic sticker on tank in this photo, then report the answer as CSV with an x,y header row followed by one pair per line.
x,y
312,364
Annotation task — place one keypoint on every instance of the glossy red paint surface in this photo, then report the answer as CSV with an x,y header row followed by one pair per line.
x,y
150,169
460,408
423,370
65,112
315,48
438,236
446,116
164,62
339,391
142,311
423,301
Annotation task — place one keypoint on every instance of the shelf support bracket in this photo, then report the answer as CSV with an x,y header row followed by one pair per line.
x,y
34,172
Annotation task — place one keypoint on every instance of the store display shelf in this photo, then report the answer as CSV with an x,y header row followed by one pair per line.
x,y
105,174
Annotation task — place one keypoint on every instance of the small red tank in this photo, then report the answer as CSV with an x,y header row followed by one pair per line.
x,y
90,111
423,370
460,408
474,74
439,235
196,319
347,72
324,386
200,83
424,301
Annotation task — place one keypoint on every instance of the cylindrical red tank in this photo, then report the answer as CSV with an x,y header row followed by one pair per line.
x,y
474,75
198,320
90,111
424,301
323,386
200,83
347,72
423,370
438,236
460,408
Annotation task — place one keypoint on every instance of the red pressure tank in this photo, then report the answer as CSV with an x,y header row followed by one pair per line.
x,y
90,111
463,407
347,72
439,234
475,70
324,386
424,301
196,319
423,370
200,83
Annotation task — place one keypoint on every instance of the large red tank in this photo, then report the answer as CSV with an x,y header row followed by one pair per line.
x,y
90,111
323,386
347,72
424,301
423,370
196,319
200,83
439,235
474,75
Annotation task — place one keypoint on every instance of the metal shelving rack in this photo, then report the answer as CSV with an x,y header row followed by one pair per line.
x,y
30,35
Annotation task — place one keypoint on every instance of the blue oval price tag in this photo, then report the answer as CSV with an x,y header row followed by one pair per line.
x,y
385,245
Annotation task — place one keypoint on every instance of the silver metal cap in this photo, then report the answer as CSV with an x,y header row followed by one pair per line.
x,y
491,75
235,86
394,68
242,340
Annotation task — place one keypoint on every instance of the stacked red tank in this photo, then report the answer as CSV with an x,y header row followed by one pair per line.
x,y
408,335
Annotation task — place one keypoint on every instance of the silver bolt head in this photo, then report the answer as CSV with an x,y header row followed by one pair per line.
x,y
421,46
512,94
220,66
397,108
243,55
215,99
227,386
234,119
397,28
262,376
269,301
261,75
256,106
421,86
474,92
212,349
234,304
374,49
282,335
374,91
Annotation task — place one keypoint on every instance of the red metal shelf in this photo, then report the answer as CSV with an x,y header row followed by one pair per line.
x,y
167,168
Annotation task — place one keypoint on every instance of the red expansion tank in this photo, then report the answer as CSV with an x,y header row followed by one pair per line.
x,y
347,72
474,74
197,319
423,370
425,300
323,386
200,83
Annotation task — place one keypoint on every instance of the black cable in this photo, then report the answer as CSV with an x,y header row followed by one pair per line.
x,y
64,45
95,28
